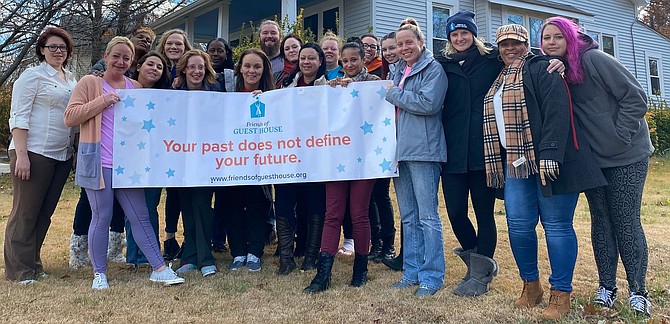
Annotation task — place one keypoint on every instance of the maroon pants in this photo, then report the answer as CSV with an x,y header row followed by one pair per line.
x,y
359,192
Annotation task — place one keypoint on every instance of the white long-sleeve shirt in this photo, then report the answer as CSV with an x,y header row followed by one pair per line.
x,y
39,99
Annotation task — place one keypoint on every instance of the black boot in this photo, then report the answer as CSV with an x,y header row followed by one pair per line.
x,y
360,275
388,250
171,249
314,229
321,281
285,246
375,249
396,263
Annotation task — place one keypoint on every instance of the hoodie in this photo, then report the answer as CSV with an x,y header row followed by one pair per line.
x,y
610,105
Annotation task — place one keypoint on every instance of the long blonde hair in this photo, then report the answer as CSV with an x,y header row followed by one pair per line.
x,y
478,42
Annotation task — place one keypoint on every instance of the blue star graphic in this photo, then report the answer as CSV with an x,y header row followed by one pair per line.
x,y
148,125
124,118
147,169
378,150
384,139
170,173
129,102
122,143
340,168
382,93
387,121
367,128
151,106
157,155
359,160
172,122
141,145
119,170
354,93
385,165
135,178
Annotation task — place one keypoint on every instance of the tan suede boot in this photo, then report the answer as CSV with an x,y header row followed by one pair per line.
x,y
559,305
531,294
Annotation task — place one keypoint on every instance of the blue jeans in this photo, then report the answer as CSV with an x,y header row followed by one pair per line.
x,y
133,253
524,205
423,246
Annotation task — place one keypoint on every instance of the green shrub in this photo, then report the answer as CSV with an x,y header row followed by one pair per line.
x,y
658,118
5,106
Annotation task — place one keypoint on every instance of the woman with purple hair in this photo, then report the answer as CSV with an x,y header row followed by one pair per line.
x,y
610,104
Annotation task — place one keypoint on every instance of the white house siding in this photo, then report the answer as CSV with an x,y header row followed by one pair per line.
x,y
650,43
388,14
468,5
613,18
357,17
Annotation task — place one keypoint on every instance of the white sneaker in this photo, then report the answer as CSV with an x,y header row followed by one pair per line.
x,y
27,282
640,304
167,277
208,270
99,281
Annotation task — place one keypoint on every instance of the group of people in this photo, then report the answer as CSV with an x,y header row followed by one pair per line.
x,y
487,120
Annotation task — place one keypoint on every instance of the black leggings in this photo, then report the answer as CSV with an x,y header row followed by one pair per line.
x,y
456,187
616,229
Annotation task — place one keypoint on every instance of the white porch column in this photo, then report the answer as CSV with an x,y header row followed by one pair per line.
x,y
189,28
223,27
289,8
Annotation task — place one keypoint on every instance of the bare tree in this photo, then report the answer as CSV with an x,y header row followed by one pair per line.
x,y
20,25
90,22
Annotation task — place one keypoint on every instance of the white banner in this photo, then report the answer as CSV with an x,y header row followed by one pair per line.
x,y
171,138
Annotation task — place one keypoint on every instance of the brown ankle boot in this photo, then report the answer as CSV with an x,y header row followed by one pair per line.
x,y
559,305
531,294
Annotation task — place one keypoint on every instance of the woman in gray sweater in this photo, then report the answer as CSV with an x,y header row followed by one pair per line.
x,y
610,104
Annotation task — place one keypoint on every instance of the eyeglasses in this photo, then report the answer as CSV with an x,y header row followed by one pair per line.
x,y
216,50
370,46
53,48
196,67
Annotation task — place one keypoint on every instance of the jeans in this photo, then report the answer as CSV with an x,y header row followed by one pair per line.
x,y
416,189
524,205
133,253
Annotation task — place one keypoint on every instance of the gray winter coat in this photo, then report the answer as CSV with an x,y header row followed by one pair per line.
x,y
611,105
420,133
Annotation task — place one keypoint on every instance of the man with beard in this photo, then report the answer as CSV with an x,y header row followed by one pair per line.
x,y
142,38
270,36
372,60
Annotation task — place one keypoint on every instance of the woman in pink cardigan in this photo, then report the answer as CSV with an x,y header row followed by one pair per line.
x,y
91,106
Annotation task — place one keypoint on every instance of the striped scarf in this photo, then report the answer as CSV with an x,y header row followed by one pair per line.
x,y
520,156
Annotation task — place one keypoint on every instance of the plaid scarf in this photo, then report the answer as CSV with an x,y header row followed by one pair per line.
x,y
520,157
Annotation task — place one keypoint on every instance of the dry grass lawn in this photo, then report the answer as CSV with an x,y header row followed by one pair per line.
x,y
244,297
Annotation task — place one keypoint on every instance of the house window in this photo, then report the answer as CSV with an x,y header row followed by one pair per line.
x,y
606,42
330,20
322,17
440,35
654,76
311,23
532,24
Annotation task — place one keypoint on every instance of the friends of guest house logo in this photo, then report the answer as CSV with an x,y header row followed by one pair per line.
x,y
257,109
255,127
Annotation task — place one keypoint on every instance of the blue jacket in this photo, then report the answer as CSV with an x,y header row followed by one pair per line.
x,y
420,132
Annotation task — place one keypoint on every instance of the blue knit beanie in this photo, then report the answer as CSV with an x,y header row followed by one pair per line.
x,y
462,20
